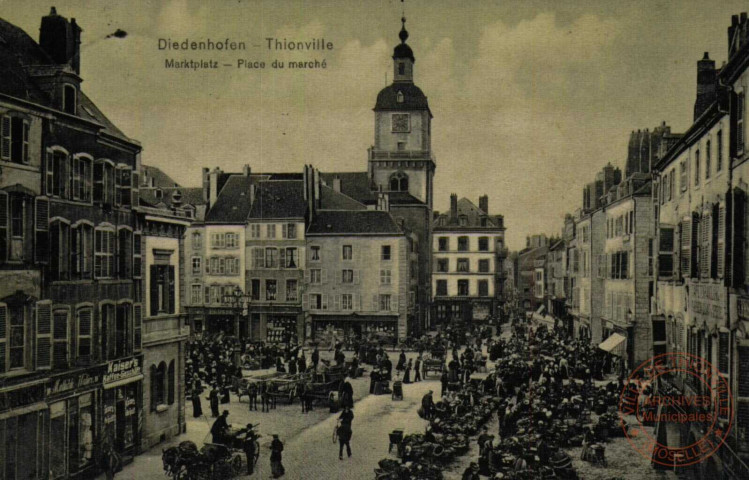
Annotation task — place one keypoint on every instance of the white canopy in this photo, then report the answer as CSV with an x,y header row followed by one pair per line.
x,y
612,342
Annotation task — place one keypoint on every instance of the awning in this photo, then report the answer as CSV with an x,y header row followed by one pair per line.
x,y
612,342
124,381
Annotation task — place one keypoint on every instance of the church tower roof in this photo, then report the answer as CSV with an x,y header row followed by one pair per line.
x,y
402,50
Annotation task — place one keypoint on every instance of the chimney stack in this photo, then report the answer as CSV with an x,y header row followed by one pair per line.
x,y
246,170
453,206
484,203
337,184
706,82
61,39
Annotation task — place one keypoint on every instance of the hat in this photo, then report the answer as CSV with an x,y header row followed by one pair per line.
x,y
225,412
250,426
275,435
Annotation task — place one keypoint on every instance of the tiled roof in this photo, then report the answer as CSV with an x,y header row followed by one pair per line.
x,y
160,179
279,199
354,184
189,196
403,198
362,222
332,200
233,202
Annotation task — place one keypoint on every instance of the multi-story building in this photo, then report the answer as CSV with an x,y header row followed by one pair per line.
x,y
164,330
275,256
469,252
71,291
556,278
531,273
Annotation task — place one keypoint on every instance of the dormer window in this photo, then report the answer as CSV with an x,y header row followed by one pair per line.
x,y
400,98
69,93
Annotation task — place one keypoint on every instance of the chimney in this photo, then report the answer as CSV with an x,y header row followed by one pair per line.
x,y
246,171
213,186
484,203
383,201
206,185
705,85
337,184
453,206
61,39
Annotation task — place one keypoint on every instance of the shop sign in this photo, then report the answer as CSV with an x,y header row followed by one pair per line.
x,y
75,381
222,311
21,396
707,301
122,369
109,415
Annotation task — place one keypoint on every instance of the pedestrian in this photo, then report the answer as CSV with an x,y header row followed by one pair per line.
x,y
220,428
347,393
427,403
276,457
197,408
315,358
401,361
472,472
111,462
407,373
344,431
252,394
444,380
417,369
249,445
292,366
213,400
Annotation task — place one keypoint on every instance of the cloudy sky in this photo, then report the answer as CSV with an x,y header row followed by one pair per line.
x,y
530,98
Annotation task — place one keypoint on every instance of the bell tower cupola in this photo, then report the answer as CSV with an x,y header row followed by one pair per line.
x,y
403,58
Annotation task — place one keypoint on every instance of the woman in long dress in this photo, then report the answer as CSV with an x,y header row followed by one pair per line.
x,y
197,407
407,374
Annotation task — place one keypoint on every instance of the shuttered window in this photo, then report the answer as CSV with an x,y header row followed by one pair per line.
x,y
724,347
666,253
41,229
104,253
137,255
3,337
60,340
15,139
43,335
83,331
137,327
4,221
706,233
720,242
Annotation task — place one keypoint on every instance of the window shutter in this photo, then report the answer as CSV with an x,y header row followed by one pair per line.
x,y
336,302
4,237
170,382
137,326
394,303
686,248
665,253
171,290
305,302
154,290
84,333
375,302
135,192
284,231
137,259
324,302
306,275
3,335
281,258
5,153
44,335
356,302
60,320
41,230
324,276
98,182
720,251
736,205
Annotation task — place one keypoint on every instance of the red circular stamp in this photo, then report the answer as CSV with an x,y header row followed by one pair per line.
x,y
702,410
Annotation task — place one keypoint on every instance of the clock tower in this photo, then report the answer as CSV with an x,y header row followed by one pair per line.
x,y
401,158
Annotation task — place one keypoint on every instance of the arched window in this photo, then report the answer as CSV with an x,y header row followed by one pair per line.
x,y
399,182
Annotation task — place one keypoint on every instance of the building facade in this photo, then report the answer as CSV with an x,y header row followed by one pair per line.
x,y
469,253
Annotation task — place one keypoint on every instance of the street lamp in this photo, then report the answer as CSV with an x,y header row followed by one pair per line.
x,y
240,302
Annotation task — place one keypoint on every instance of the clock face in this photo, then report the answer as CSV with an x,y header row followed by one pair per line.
x,y
400,122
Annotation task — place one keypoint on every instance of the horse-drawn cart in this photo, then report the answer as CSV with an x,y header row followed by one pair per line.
x,y
212,462
282,387
434,362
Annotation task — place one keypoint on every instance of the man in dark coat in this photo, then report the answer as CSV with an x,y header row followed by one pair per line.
x,y
344,431
347,393
249,446
315,358
197,408
220,428
427,403
417,369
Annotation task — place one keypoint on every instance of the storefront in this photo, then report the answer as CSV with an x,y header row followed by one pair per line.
x,y
23,421
74,421
281,328
122,405
345,327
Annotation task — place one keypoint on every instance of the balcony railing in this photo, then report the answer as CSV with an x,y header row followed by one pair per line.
x,y
375,154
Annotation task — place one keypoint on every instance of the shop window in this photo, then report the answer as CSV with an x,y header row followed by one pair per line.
x,y
162,289
15,139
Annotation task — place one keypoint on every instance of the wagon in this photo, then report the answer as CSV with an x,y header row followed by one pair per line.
x,y
434,362
212,462
284,387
